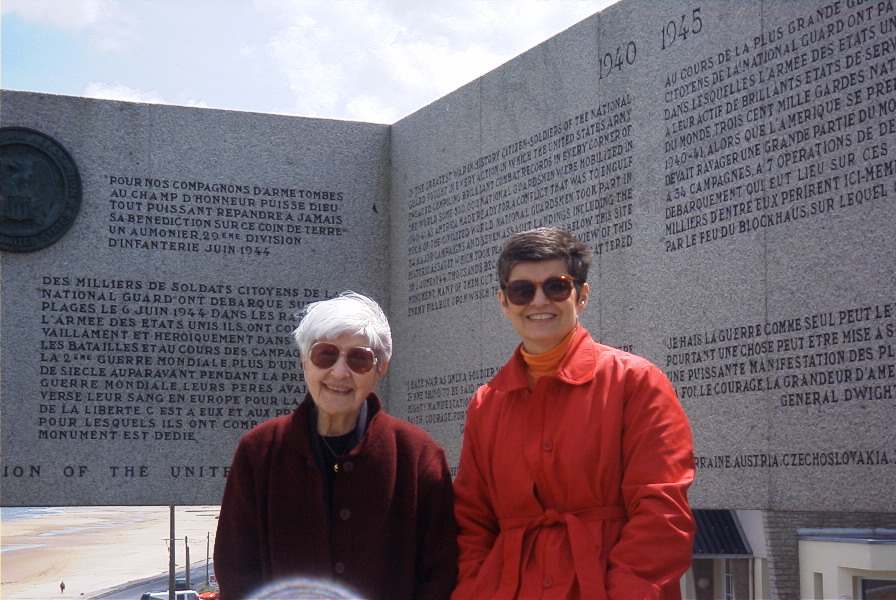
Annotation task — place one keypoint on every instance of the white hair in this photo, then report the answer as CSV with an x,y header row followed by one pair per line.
x,y
349,312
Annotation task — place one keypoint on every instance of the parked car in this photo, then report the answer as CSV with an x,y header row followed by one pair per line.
x,y
179,595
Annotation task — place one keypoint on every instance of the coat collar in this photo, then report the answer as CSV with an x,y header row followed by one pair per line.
x,y
304,417
578,366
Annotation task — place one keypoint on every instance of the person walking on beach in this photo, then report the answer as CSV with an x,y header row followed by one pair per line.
x,y
61,587
576,456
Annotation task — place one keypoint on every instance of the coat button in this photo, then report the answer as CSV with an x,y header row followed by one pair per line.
x,y
348,466
548,581
339,568
345,514
548,446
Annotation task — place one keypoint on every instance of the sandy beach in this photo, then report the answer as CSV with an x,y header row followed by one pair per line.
x,y
94,548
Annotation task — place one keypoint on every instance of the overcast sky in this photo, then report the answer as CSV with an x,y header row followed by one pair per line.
x,y
366,60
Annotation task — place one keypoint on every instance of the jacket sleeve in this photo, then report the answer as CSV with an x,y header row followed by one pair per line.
x,y
437,533
656,543
476,521
237,544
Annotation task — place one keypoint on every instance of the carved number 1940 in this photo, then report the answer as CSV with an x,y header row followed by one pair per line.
x,y
615,61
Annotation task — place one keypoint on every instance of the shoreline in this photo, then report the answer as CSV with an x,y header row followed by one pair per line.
x,y
95,549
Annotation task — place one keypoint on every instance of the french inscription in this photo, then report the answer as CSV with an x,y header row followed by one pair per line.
x,y
826,360
141,360
575,174
790,125
153,213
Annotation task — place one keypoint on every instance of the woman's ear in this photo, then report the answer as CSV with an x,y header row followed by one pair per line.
x,y
382,367
503,302
582,298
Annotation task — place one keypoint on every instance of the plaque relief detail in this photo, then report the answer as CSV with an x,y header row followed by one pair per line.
x,y
40,190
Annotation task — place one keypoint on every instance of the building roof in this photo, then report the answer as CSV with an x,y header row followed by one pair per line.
x,y
719,535
865,536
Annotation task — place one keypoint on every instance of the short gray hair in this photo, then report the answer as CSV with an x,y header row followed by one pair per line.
x,y
349,312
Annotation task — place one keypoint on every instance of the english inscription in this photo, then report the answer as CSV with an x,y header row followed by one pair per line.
x,y
575,174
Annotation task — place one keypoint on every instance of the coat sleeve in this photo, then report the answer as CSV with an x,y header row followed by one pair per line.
x,y
437,533
238,565
476,521
656,543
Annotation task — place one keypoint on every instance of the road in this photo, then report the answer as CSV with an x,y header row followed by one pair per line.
x,y
133,590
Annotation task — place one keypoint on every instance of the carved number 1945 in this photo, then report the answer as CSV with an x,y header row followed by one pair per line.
x,y
675,30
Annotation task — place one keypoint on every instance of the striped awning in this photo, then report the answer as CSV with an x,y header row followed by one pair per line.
x,y
719,535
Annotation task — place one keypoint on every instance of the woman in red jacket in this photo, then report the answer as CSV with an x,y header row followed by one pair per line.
x,y
576,457
339,490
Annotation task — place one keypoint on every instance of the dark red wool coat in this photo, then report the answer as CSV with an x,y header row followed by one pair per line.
x,y
391,534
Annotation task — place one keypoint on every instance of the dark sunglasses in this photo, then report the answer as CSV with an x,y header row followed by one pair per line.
x,y
556,288
324,355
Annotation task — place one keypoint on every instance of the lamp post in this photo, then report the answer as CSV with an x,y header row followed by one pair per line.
x,y
208,537
171,594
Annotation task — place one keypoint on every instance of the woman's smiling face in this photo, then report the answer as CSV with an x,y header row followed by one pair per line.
x,y
543,323
337,391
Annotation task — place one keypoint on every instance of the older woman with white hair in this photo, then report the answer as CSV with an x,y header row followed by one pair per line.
x,y
339,490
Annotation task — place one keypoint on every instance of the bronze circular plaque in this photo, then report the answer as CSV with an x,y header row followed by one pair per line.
x,y
40,190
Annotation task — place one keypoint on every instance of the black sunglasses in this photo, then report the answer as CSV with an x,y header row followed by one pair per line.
x,y
522,291
324,355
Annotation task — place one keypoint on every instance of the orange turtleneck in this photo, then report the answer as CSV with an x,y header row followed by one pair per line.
x,y
546,363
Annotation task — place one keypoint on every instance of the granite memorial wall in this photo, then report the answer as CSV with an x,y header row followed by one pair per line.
x,y
137,348
731,164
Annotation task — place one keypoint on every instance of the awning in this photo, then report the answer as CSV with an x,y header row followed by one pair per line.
x,y
719,535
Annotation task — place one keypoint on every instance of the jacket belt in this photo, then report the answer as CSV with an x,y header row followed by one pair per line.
x,y
518,546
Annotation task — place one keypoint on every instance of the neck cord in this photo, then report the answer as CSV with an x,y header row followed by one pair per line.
x,y
323,438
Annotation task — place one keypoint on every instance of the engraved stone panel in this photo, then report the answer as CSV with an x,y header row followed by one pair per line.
x,y
731,165
138,348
